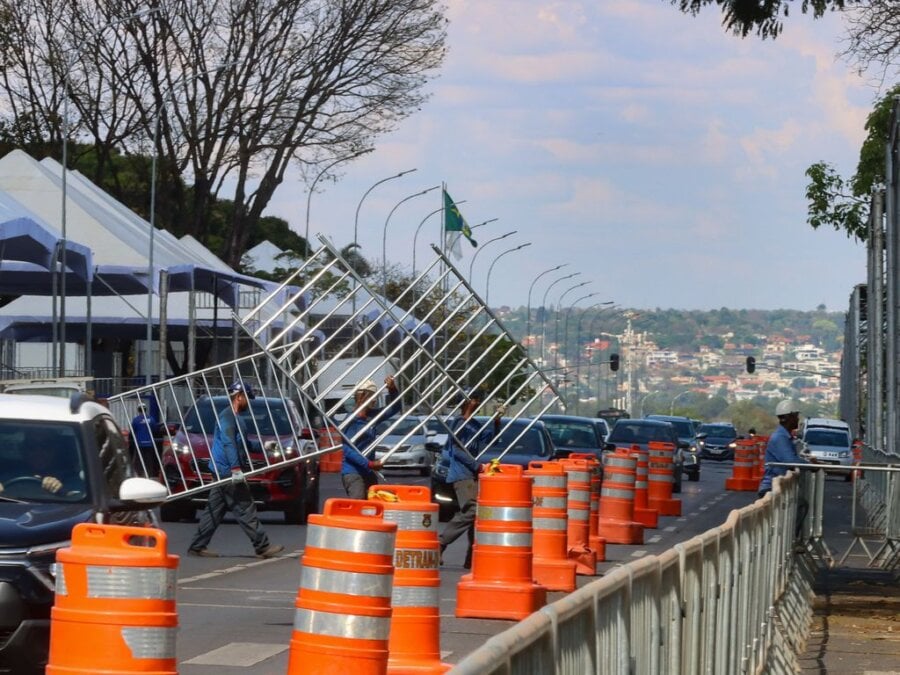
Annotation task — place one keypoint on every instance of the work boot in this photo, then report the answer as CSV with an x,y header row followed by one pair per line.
x,y
467,564
270,551
441,556
202,553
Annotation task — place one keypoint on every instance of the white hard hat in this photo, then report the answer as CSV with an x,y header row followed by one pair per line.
x,y
367,386
786,407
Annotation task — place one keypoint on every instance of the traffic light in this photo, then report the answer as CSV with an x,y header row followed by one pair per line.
x,y
613,362
751,364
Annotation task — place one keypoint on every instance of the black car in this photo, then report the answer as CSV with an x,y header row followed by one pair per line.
x,y
521,444
77,444
571,433
640,432
719,441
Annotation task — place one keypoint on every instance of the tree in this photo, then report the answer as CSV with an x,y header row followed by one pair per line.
x,y
223,93
843,204
763,17
874,36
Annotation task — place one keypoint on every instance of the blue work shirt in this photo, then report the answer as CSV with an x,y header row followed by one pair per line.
x,y
780,448
461,464
354,461
226,445
142,426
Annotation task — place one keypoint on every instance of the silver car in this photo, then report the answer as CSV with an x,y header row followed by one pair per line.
x,y
418,451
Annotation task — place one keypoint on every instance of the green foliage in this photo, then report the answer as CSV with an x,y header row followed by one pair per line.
x,y
844,204
763,17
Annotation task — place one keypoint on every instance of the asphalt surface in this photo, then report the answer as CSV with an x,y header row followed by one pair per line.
x,y
236,612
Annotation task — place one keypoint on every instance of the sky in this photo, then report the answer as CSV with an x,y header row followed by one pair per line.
x,y
656,155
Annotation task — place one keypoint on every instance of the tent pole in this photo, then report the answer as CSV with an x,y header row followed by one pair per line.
x,y
88,332
192,331
163,327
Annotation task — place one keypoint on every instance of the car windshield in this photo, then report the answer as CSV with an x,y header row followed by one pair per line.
x,y
42,462
718,431
571,434
531,443
683,428
404,427
265,416
835,439
634,432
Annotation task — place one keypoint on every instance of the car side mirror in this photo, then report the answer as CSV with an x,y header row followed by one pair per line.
x,y
610,447
684,445
137,494
701,436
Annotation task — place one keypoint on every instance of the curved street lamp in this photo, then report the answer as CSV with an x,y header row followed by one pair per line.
x,y
676,397
312,188
384,236
487,286
416,235
363,198
544,308
528,307
483,246
646,396
556,319
578,340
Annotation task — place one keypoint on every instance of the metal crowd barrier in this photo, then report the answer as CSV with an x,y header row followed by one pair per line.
x,y
735,599
437,338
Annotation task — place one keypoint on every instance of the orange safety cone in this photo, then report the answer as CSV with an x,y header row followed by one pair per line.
x,y
343,617
642,512
617,524
661,478
500,585
114,610
743,478
579,512
551,566
595,542
415,640
330,462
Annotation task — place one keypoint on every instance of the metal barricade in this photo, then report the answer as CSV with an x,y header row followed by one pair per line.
x,y
710,604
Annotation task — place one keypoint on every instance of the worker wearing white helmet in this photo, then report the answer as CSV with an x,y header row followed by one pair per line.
x,y
357,471
781,445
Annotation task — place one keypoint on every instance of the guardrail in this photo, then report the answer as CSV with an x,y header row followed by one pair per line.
x,y
717,603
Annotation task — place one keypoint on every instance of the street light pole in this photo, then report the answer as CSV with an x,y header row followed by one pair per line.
x,y
363,198
483,246
416,235
556,320
384,236
646,396
677,396
544,309
487,286
312,188
566,340
528,307
578,353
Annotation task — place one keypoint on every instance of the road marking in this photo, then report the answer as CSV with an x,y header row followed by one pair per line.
x,y
703,508
694,514
639,554
207,604
238,590
681,520
672,528
238,568
654,539
243,654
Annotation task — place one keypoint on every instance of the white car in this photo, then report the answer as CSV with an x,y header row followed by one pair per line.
x,y
417,451
828,441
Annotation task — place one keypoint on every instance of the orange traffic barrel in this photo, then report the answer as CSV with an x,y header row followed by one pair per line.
x,y
595,542
501,585
642,512
415,640
760,467
579,514
551,566
114,610
342,620
617,524
661,479
330,462
743,476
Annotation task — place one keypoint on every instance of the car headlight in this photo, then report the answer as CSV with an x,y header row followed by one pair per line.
x,y
701,443
844,454
181,448
693,448
732,445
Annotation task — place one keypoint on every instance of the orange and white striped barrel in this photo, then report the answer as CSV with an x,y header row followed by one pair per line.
x,y
114,610
661,479
595,542
743,472
642,512
415,640
617,523
551,566
501,585
579,513
342,620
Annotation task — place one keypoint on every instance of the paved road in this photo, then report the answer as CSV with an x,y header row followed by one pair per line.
x,y
236,612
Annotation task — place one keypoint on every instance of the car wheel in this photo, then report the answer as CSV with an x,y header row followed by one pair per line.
x,y
177,510
298,514
676,486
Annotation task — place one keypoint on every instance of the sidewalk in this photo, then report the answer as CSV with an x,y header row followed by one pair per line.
x,y
856,613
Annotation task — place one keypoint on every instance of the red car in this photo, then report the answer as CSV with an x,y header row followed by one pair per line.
x,y
273,436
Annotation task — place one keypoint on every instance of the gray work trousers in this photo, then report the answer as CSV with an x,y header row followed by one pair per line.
x,y
463,521
236,498
357,486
